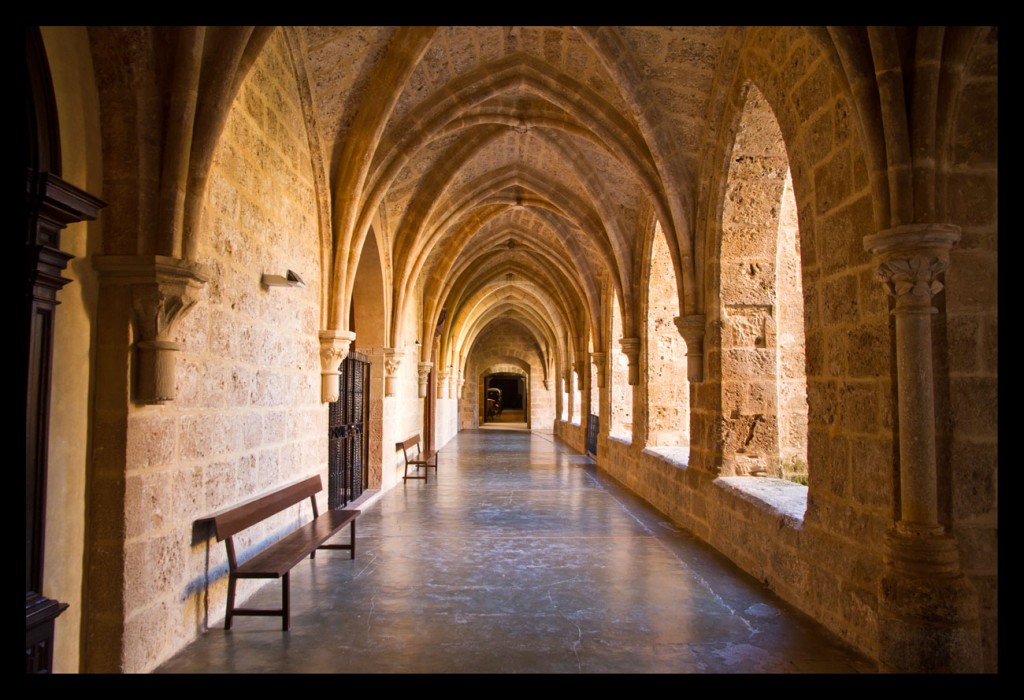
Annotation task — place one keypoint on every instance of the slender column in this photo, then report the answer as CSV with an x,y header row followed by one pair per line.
x,y
598,358
928,617
424,374
909,260
631,349
392,358
692,330
334,347
580,365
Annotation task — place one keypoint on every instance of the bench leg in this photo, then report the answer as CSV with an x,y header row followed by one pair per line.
x,y
231,601
285,603
352,540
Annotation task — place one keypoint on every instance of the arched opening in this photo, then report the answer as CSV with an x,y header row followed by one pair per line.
x,y
764,394
506,398
621,392
369,321
668,390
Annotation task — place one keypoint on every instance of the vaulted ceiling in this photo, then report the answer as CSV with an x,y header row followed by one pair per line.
x,y
509,171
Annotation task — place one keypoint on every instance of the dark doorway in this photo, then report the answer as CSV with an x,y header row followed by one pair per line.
x,y
512,388
347,434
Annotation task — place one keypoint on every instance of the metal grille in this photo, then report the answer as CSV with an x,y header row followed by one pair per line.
x,y
592,424
347,435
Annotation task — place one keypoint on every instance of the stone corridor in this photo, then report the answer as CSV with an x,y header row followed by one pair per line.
x,y
520,557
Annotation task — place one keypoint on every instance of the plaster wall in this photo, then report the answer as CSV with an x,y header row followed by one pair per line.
x,y
70,409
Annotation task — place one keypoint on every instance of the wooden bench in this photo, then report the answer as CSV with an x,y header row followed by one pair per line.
x,y
277,559
418,460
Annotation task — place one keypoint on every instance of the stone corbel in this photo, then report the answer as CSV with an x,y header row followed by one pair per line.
x,y
692,330
631,349
163,290
423,369
392,358
598,358
334,347
461,386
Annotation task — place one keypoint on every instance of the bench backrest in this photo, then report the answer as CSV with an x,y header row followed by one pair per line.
x,y
409,443
237,518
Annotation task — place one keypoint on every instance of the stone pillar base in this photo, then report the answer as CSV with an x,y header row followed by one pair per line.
x,y
927,610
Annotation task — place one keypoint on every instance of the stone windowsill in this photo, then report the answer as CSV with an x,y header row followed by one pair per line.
x,y
621,439
780,496
675,455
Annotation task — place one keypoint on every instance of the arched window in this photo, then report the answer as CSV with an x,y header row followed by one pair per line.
x,y
764,394
621,425
668,390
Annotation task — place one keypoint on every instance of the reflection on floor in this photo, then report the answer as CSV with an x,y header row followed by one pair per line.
x,y
520,557
510,419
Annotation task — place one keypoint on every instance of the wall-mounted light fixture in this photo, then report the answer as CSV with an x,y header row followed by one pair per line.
x,y
418,343
289,280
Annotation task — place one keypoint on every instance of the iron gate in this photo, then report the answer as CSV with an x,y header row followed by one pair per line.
x,y
347,437
592,426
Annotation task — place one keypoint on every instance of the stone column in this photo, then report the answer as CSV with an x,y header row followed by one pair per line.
x,y
692,330
334,346
424,374
580,365
442,384
631,349
928,617
162,291
392,358
598,358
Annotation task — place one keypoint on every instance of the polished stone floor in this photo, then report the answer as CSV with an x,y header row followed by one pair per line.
x,y
519,557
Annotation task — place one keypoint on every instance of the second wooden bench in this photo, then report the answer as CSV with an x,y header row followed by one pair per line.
x,y
418,459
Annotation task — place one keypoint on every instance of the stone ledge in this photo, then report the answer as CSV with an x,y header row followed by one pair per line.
x,y
777,496
675,456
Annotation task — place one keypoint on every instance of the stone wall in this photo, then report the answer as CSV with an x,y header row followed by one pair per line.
x,y
828,564
968,460
248,416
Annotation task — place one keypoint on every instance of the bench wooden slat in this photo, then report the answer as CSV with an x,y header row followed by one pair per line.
x,y
281,556
231,521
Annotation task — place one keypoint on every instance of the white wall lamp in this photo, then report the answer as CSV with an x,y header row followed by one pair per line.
x,y
289,280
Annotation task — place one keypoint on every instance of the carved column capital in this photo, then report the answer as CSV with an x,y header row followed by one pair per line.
x,y
631,349
909,260
692,328
392,358
334,347
423,371
163,290
442,384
